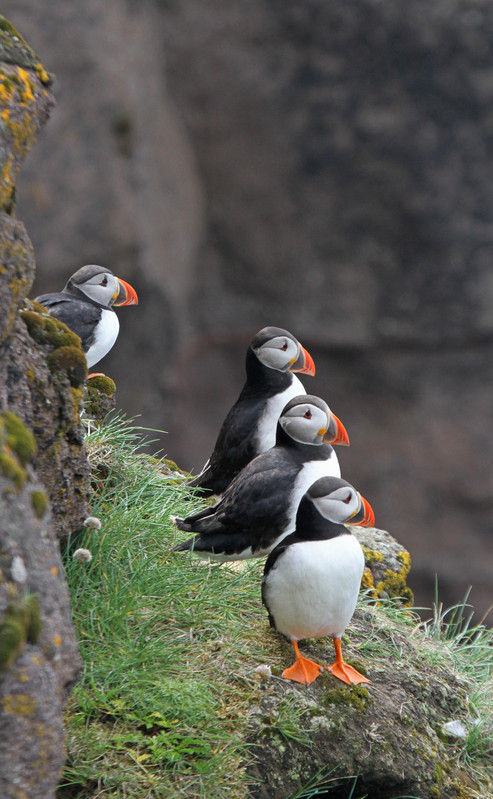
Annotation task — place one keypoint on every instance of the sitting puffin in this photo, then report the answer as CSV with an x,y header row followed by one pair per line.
x,y
258,509
312,578
250,426
85,305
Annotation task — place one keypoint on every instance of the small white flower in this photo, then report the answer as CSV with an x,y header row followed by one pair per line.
x,y
18,570
455,728
93,522
82,555
263,671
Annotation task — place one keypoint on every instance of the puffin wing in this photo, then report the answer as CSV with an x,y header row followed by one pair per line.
x,y
81,317
234,448
257,500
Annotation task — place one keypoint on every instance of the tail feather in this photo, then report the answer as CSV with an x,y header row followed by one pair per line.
x,y
218,546
193,523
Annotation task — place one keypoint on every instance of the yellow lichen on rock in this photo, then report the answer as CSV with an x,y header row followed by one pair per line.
x,y
19,704
20,90
393,583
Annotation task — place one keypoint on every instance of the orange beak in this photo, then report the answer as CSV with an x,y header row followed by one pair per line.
x,y
303,363
127,295
336,433
365,514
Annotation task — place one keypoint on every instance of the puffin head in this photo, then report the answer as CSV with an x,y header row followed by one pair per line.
x,y
338,501
309,420
278,349
101,286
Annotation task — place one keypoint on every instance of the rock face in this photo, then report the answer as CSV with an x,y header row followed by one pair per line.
x,y
43,470
321,166
38,649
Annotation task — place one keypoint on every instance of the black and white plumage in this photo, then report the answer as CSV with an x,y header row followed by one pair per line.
x,y
259,507
312,578
85,305
250,426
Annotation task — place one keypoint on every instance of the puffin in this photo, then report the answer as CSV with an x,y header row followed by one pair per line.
x,y
249,428
312,578
85,305
258,509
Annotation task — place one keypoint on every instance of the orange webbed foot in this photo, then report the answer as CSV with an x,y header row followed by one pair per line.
x,y
343,671
303,670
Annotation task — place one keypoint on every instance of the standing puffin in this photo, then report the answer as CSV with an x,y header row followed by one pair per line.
x,y
258,508
312,578
250,426
85,305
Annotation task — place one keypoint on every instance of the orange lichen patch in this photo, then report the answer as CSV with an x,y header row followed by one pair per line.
x,y
57,640
54,570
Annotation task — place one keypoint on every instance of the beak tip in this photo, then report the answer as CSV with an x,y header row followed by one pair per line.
x,y
369,518
127,295
304,363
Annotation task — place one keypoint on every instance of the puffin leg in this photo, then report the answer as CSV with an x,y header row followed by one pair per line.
x,y
95,374
343,671
303,670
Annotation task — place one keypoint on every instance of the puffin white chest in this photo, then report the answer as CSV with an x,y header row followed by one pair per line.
x,y
312,589
309,473
105,335
266,430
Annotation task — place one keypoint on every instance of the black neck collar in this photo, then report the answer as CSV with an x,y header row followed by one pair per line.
x,y
259,374
312,526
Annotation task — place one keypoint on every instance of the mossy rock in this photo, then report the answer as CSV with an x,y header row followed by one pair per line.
x,y
15,50
17,437
69,360
20,625
17,448
387,565
103,384
12,470
99,399
45,329
39,502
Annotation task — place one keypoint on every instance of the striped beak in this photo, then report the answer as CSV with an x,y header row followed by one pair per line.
x,y
336,432
127,294
364,517
304,362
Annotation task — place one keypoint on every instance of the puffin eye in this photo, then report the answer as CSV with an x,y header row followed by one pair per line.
x,y
104,281
348,499
308,414
285,346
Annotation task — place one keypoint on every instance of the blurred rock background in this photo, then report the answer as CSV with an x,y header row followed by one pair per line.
x,y
321,166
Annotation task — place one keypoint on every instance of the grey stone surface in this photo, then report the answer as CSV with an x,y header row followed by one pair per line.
x,y
35,685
